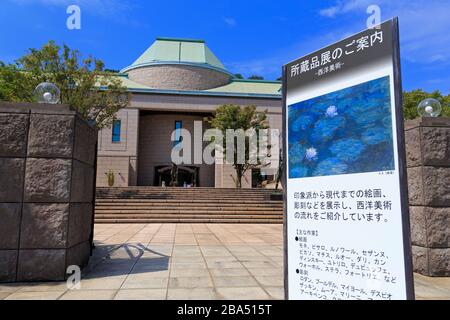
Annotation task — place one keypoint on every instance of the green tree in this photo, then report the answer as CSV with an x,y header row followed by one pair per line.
x,y
256,77
85,86
412,99
235,117
15,85
239,76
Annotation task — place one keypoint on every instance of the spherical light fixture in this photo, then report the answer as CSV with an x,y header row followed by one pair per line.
x,y
429,108
47,92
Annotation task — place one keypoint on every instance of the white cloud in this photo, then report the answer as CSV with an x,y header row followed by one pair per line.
x,y
269,65
230,21
424,25
117,11
342,7
425,36
95,7
330,12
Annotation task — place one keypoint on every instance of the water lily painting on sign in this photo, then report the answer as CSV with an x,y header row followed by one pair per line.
x,y
342,132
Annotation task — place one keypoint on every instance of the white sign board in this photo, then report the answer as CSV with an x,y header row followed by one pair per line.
x,y
347,222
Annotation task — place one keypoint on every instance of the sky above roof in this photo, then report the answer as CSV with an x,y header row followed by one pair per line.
x,y
249,37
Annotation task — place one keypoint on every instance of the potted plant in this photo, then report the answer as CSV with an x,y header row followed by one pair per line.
x,y
111,178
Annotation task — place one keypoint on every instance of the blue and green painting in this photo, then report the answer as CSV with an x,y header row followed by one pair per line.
x,y
342,132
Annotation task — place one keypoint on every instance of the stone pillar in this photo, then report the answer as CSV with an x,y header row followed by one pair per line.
x,y
47,155
428,162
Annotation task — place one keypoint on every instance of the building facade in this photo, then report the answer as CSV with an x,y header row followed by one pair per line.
x,y
175,83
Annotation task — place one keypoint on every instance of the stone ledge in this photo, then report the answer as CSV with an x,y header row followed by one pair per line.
x,y
427,122
31,107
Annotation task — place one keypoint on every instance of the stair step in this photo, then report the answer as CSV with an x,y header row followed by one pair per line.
x,y
185,205
249,221
188,207
188,216
238,201
182,210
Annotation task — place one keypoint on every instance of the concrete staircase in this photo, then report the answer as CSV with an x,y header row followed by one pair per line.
x,y
186,205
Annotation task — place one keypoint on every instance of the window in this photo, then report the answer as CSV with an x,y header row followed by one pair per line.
x,y
116,131
178,126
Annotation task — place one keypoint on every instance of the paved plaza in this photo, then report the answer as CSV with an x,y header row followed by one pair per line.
x,y
185,261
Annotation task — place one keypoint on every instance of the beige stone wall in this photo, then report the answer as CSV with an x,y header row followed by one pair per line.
x,y
146,140
129,135
120,157
177,103
119,165
179,77
155,146
226,174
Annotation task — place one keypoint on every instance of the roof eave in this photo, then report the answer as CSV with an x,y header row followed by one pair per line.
x,y
203,93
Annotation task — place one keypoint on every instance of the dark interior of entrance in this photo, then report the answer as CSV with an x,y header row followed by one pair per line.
x,y
187,176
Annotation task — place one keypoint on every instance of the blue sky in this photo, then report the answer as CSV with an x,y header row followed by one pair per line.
x,y
249,37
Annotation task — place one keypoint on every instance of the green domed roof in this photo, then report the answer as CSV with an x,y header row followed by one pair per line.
x,y
178,51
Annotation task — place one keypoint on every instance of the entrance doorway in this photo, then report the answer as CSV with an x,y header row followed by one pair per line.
x,y
186,176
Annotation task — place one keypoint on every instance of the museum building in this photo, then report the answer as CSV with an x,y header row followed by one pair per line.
x,y
174,83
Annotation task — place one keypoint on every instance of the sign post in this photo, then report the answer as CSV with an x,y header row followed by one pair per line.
x,y
346,209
